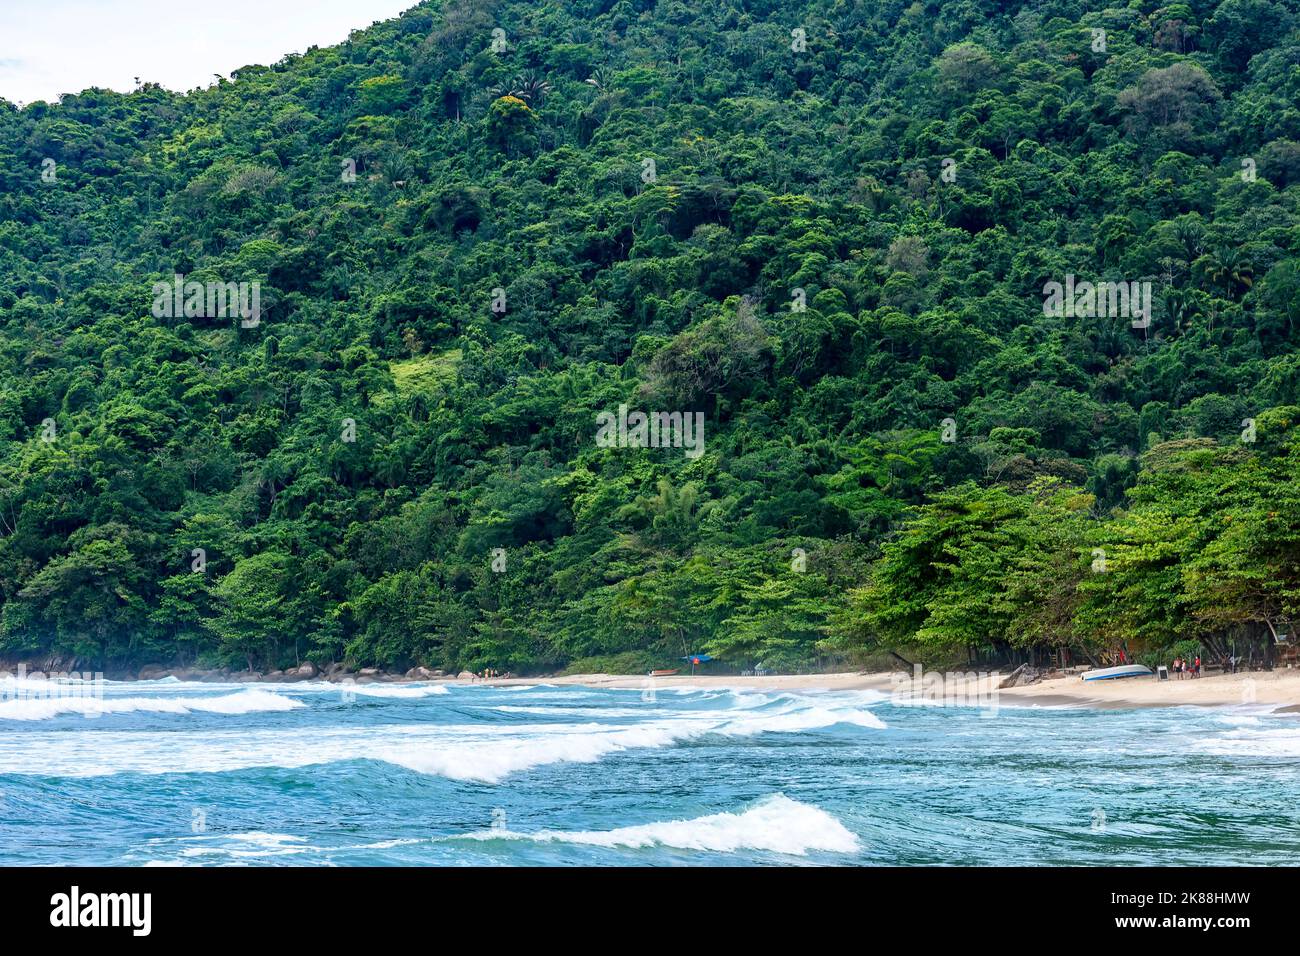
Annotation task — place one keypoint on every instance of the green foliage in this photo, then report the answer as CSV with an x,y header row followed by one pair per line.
x,y
794,265
1207,551
980,568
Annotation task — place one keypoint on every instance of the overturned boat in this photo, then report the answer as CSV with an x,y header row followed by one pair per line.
x,y
1114,673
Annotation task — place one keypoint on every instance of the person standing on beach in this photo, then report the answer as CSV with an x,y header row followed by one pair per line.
x,y
1196,667
1177,668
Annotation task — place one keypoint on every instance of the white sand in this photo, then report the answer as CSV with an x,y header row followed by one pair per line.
x,y
1279,688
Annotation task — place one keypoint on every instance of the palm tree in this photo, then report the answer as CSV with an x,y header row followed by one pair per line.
x,y
530,86
670,514
1181,306
600,79
1191,234
1227,270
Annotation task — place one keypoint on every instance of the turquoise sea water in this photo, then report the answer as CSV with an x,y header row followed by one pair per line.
x,y
170,773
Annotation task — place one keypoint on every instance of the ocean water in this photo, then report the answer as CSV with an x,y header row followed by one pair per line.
x,y
170,773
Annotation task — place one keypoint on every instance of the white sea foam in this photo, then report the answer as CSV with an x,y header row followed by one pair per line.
x,y
572,710
1251,742
480,752
776,824
1239,720
812,718
489,763
12,684
394,692
245,845
388,844
243,702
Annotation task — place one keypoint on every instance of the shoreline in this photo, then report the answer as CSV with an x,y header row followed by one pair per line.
x,y
1279,689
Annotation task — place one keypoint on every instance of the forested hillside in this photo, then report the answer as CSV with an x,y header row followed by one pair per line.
x,y
826,226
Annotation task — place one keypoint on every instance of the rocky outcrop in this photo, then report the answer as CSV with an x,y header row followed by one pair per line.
x,y
1022,676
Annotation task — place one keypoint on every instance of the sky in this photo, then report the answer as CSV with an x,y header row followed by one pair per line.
x,y
51,47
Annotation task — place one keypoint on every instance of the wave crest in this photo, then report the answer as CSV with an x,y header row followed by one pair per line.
x,y
243,702
776,824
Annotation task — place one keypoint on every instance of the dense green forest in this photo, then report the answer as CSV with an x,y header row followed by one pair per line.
x,y
825,225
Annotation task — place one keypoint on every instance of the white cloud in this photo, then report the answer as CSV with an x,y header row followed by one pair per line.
x,y
51,47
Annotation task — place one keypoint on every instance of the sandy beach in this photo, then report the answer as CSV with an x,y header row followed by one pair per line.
x,y
1280,689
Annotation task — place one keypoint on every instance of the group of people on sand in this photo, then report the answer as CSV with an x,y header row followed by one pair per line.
x,y
1191,668
489,673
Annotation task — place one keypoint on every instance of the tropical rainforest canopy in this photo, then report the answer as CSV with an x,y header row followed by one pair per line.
x,y
825,225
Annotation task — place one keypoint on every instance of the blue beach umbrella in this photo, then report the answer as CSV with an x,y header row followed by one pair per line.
x,y
697,659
